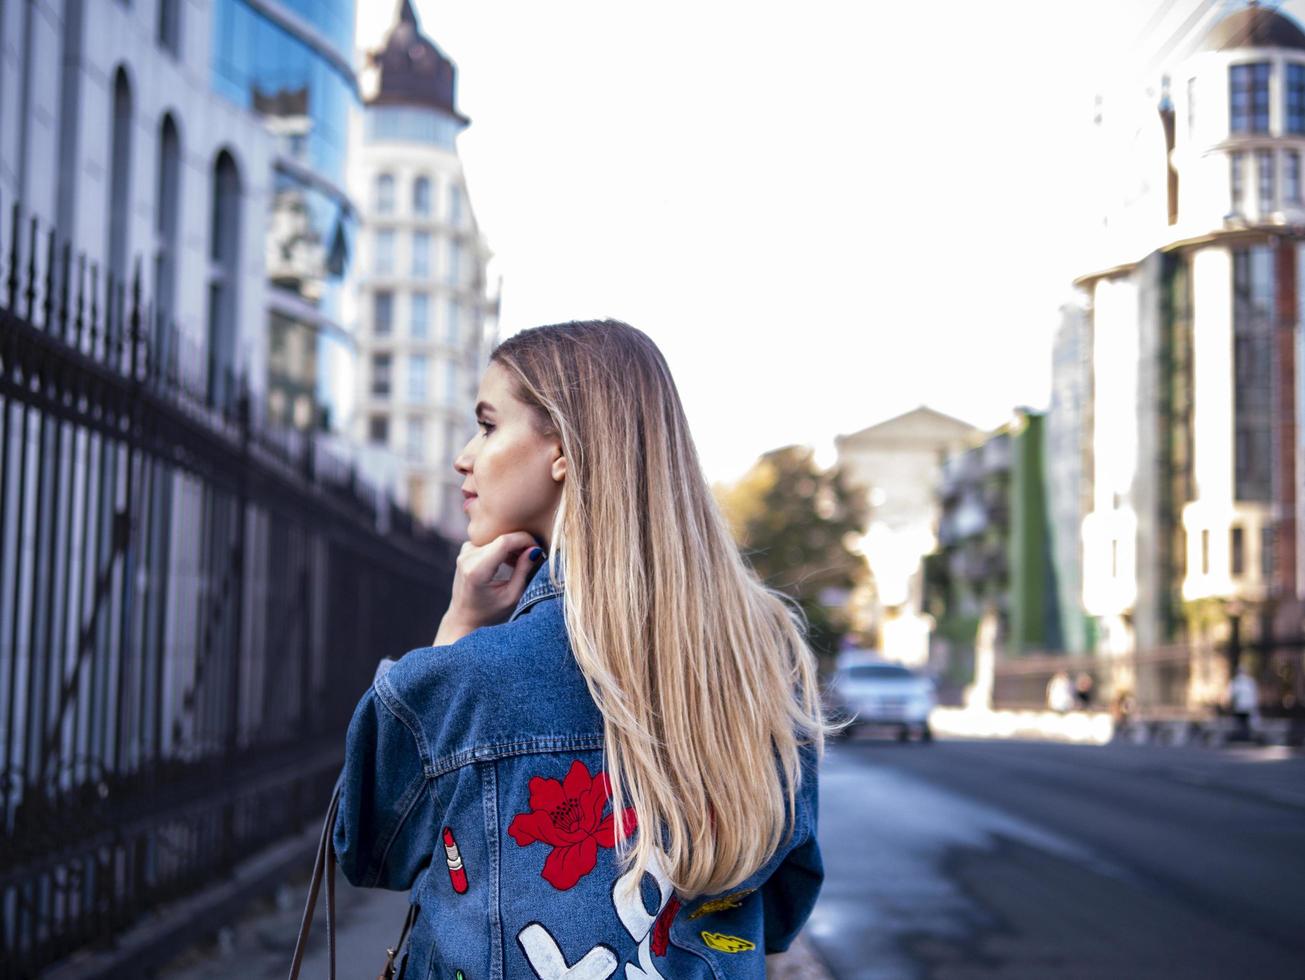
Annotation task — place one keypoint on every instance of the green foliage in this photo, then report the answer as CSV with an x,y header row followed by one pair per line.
x,y
794,524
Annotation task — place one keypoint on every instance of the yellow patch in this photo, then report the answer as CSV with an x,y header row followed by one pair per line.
x,y
727,944
721,904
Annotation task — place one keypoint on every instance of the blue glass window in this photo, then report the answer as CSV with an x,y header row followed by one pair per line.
x,y
421,253
411,124
1291,177
420,315
417,377
1296,98
1248,95
383,258
383,312
1264,171
262,67
421,195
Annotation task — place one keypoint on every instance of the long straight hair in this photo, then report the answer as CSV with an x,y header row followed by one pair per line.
x,y
706,684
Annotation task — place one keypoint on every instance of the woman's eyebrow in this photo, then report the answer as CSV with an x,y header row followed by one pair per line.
x,y
484,407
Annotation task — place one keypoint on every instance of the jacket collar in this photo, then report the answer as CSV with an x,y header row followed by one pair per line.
x,y
539,586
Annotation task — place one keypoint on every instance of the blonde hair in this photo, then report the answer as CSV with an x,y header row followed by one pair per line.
x,y
703,675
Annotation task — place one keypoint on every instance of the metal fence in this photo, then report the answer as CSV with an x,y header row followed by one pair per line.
x,y
191,603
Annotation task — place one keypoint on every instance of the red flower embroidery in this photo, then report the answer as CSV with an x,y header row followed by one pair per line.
x,y
568,816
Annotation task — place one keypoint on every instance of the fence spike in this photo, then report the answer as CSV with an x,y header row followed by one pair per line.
x,y
133,325
29,294
81,297
15,256
47,301
64,290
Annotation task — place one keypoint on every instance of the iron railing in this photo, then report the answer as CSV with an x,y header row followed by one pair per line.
x,y
191,603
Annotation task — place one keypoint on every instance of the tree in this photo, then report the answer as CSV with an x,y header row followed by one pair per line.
x,y
797,526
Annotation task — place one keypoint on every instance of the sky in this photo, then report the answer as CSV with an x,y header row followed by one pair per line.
x,y
825,214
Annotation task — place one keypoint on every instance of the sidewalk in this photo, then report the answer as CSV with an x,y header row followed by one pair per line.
x,y
259,945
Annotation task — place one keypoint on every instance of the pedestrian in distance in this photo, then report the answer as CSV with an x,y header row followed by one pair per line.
x,y
1060,693
608,756
1244,702
1083,690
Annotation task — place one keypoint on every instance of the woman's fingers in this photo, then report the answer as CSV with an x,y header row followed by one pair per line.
x,y
504,550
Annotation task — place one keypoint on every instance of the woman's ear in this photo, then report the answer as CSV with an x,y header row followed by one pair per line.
x,y
558,470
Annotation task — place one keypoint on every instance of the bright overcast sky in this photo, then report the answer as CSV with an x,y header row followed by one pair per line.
x,y
824,213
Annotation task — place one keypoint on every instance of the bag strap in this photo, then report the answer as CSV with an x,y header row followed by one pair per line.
x,y
324,863
324,866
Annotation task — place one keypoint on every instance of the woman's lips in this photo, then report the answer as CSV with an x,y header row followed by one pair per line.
x,y
467,503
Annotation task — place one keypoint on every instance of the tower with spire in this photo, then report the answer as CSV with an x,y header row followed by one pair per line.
x,y
425,317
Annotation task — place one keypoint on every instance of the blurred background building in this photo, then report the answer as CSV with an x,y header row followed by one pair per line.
x,y
289,64
1192,310
109,134
898,463
425,321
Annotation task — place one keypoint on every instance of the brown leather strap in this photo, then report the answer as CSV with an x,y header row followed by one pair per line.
x,y
324,866
324,863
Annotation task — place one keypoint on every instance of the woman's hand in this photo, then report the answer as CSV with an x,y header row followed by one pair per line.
x,y
477,599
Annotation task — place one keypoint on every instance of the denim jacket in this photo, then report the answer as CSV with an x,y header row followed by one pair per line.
x,y
473,776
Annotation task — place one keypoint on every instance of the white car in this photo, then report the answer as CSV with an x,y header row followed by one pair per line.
x,y
883,694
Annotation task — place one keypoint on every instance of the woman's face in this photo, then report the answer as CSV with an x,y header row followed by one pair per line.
x,y
512,476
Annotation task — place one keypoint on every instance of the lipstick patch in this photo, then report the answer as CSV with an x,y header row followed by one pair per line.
x,y
453,858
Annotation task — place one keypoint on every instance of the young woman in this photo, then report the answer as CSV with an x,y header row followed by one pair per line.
x,y
606,763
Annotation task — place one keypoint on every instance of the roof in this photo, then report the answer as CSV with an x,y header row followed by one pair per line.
x,y
911,425
413,71
1254,27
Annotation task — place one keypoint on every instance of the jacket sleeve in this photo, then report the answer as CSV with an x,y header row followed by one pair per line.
x,y
790,893
383,834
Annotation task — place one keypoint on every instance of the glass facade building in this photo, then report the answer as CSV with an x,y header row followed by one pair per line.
x,y
288,62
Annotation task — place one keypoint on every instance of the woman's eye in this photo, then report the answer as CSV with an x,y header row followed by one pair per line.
x,y
486,426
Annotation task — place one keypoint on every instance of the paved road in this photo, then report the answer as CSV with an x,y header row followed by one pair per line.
x,y
967,859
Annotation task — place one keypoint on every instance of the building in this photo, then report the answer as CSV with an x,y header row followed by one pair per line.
x,y
1193,322
288,63
898,462
995,546
110,135
425,322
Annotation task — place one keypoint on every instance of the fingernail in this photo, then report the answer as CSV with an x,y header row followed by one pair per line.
x,y
536,554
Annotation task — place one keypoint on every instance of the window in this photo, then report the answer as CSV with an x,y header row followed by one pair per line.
x,y
416,435
166,198
455,205
120,178
1264,171
169,35
421,254
385,193
1253,332
383,260
455,263
1237,180
1295,99
378,430
1291,177
417,378
1248,97
381,375
452,440
1238,545
453,323
383,313
1266,552
421,195
223,280
449,395
420,312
